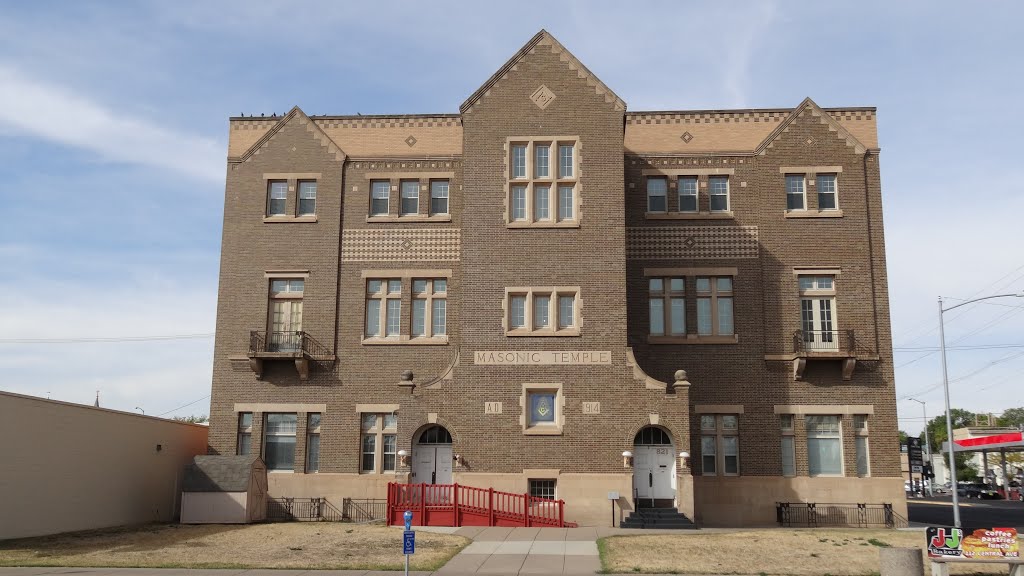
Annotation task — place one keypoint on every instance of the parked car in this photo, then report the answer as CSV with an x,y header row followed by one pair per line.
x,y
977,490
1016,492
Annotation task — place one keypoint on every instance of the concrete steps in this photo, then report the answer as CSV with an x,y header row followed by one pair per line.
x,y
658,518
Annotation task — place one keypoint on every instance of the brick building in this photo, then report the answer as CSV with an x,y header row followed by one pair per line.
x,y
518,294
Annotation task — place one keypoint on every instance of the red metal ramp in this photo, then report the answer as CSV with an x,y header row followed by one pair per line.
x,y
458,505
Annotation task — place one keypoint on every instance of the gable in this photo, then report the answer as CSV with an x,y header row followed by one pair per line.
x,y
295,116
543,38
808,109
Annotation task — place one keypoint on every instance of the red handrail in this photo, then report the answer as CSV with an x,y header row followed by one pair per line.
x,y
454,504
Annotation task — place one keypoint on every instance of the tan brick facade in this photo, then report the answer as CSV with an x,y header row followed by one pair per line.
x,y
609,377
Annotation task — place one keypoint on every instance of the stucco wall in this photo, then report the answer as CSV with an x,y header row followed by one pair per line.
x,y
68,467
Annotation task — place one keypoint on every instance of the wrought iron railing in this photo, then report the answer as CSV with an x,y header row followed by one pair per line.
x,y
302,509
824,341
814,515
295,342
366,510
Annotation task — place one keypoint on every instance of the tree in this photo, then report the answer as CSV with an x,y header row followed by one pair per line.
x,y
1012,417
937,426
193,419
903,437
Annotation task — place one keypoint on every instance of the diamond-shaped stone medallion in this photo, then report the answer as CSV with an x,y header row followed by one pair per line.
x,y
411,141
406,244
542,97
686,137
690,241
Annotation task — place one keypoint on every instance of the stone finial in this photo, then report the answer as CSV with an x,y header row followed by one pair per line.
x,y
680,375
406,381
680,380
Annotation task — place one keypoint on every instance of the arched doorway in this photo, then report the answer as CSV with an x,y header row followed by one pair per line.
x,y
654,468
432,457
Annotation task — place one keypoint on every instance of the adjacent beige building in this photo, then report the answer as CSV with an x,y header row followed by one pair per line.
x,y
81,467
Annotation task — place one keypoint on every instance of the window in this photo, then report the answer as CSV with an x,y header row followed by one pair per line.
x,y
788,445
657,190
817,313
244,445
541,203
313,442
383,308
714,306
438,197
824,446
827,192
285,315
542,408
429,307
537,197
688,194
410,197
277,198
541,165
380,193
279,442
795,199
719,444
718,194
542,489
379,442
543,311
307,197
860,430
667,305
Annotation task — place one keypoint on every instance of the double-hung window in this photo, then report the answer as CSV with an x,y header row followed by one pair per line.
x,y
244,445
307,197
718,193
795,197
667,306
827,194
277,198
410,198
860,431
438,197
788,445
688,194
380,195
719,445
824,446
714,306
378,442
542,183
279,442
429,307
657,194
383,308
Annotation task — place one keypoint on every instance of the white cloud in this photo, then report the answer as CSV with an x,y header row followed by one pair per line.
x,y
56,114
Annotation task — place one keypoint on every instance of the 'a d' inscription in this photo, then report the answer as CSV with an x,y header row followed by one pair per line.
x,y
542,357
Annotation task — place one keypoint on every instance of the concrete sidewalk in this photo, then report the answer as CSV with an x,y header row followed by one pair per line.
x,y
526,551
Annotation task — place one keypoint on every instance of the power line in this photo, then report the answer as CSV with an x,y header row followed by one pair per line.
x,y
967,347
105,339
185,406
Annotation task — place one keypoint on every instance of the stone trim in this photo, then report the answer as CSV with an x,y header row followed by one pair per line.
x,y
688,172
292,176
718,408
264,408
804,107
692,339
286,273
406,273
409,176
723,271
690,215
524,409
813,213
539,473
817,271
810,170
825,409
381,408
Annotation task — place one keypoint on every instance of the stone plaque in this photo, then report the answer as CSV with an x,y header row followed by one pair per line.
x,y
542,97
492,407
542,357
591,407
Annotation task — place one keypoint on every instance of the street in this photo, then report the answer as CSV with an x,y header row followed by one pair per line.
x,y
973,513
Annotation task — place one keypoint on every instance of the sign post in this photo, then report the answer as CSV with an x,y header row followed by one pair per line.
x,y
408,539
915,459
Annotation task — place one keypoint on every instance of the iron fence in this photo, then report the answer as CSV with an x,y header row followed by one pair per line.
x,y
362,511
302,510
298,342
815,515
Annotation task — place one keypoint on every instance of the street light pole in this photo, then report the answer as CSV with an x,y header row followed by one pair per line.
x,y
927,444
945,387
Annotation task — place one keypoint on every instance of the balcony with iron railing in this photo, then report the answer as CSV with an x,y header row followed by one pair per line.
x,y
297,346
833,345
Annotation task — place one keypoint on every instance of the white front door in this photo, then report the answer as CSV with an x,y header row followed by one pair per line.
x,y
654,472
432,464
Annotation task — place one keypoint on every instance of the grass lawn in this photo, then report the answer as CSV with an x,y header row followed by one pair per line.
x,y
310,545
776,551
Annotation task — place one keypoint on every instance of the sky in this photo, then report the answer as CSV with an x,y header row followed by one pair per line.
x,y
113,138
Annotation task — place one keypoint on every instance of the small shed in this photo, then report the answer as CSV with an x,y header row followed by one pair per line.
x,y
224,490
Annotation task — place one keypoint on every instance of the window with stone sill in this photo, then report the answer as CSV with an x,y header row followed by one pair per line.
x,y
313,442
543,187
542,489
301,190
719,445
279,442
542,311
429,307
380,197
383,308
542,406
795,196
378,442
788,445
715,306
244,444
277,198
667,306
824,446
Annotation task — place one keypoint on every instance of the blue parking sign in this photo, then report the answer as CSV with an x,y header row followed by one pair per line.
x,y
408,542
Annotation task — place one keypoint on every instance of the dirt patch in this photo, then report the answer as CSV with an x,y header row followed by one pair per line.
x,y
798,552
320,545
